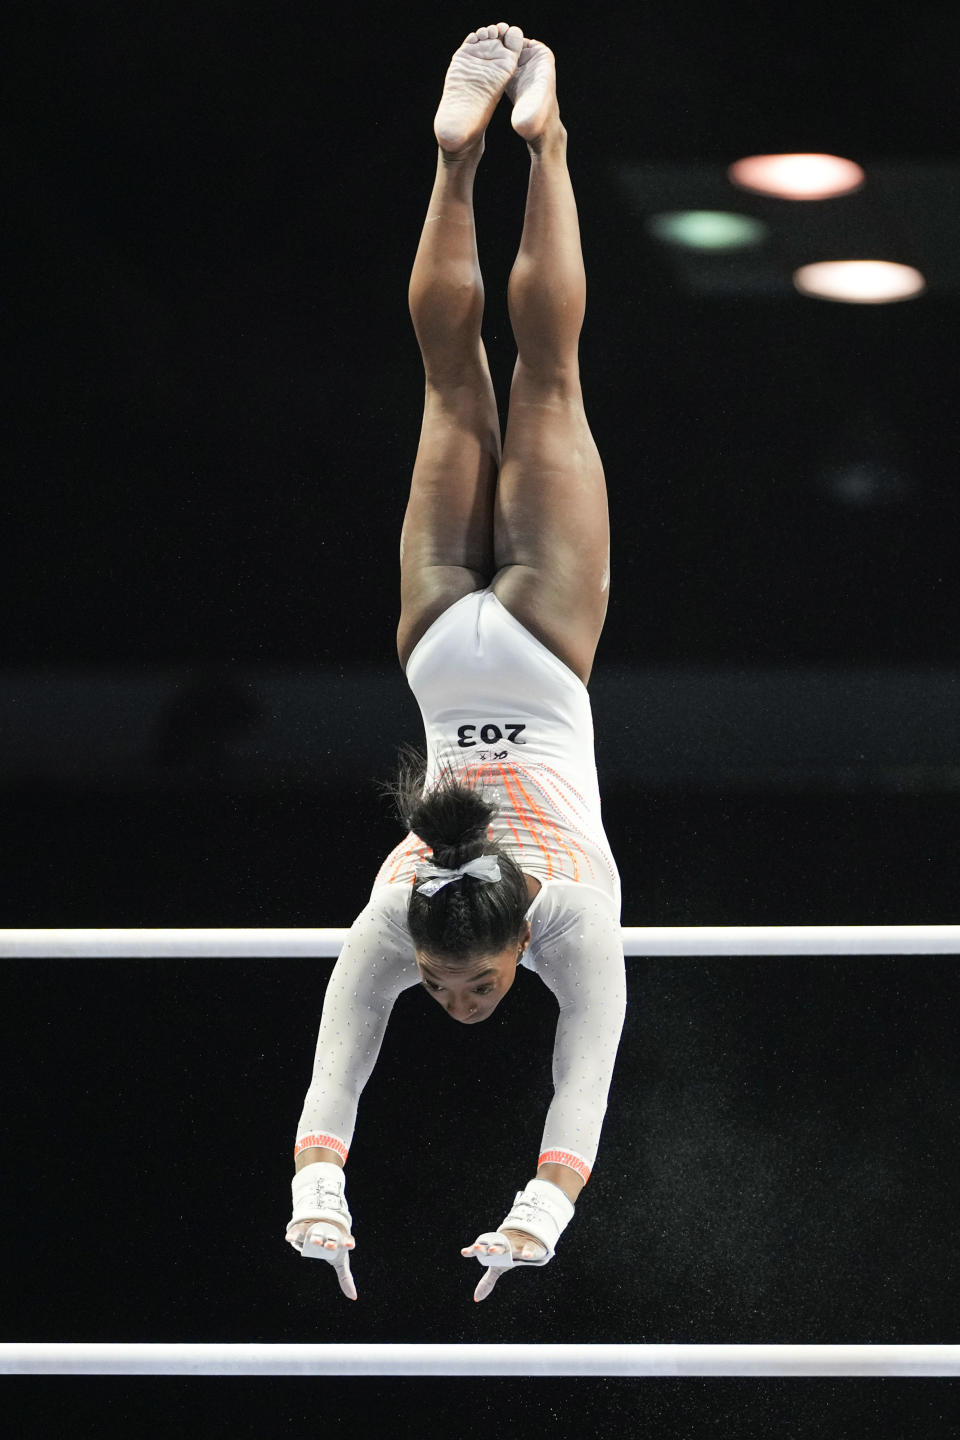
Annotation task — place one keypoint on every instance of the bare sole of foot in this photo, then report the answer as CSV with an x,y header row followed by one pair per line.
x,y
475,81
533,90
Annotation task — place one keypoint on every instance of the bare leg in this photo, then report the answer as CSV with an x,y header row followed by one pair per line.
x,y
446,545
551,522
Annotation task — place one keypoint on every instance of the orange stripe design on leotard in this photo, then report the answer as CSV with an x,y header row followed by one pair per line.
x,y
404,852
535,815
514,791
554,786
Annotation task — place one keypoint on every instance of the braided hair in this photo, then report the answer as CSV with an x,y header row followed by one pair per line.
x,y
469,918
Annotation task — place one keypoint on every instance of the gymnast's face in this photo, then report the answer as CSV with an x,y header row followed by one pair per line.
x,y
471,991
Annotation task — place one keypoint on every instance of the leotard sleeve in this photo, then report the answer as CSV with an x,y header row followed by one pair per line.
x,y
376,963
578,955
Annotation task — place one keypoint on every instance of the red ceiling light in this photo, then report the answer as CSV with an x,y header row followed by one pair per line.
x,y
797,177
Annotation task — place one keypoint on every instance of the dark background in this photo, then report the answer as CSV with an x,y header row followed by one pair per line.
x,y
214,397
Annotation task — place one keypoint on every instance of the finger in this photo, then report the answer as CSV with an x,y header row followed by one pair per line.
x,y
326,1237
326,1241
487,1283
494,1247
490,1249
346,1279
316,1239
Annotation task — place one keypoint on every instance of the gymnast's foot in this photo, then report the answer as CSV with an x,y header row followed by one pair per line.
x,y
475,81
533,92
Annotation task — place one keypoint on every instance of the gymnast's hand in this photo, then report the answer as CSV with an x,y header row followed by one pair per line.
x,y
326,1240
528,1235
325,1235
499,1250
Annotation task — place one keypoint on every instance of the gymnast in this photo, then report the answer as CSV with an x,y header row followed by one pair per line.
x,y
504,585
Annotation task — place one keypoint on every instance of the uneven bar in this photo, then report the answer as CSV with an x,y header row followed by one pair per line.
x,y
105,1358
689,940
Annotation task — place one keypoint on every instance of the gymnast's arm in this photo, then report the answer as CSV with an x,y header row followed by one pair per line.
x,y
579,956
376,963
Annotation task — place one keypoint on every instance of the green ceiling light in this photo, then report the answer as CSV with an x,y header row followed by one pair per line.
x,y
707,229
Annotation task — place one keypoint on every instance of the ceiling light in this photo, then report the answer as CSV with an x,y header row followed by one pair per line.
x,y
797,177
859,282
707,229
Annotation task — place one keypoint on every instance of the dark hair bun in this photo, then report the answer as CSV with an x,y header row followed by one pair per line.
x,y
472,917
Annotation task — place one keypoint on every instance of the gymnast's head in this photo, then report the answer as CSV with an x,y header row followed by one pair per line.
x,y
469,933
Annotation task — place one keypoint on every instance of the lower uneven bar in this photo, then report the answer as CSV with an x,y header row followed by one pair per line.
x,y
107,1358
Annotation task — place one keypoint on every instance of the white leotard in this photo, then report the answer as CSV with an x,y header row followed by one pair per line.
x,y
532,750
501,708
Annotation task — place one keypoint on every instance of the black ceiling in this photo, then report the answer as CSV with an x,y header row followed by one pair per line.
x,y
215,392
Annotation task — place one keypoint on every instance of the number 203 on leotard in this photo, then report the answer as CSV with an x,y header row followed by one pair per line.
x,y
489,734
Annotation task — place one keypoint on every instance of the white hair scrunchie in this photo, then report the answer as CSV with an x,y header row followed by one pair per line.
x,y
485,867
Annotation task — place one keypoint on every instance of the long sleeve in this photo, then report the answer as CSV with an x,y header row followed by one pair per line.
x,y
577,950
376,963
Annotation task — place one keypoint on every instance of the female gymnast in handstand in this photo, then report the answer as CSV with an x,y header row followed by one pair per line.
x,y
504,578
